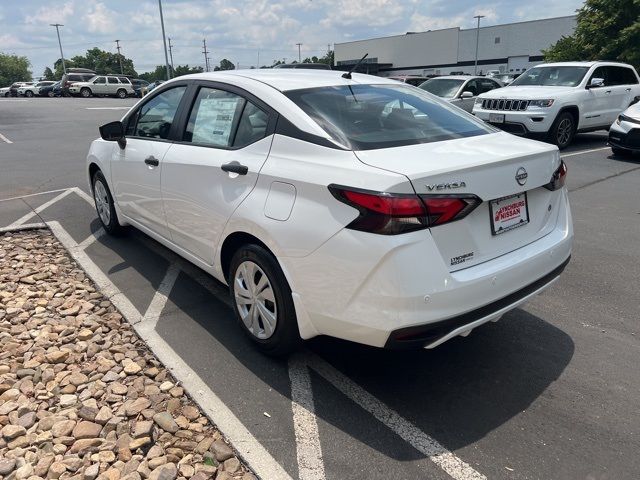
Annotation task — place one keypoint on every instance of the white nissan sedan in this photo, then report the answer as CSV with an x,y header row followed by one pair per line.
x,y
349,206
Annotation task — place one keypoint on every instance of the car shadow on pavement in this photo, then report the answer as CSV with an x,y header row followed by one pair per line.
x,y
456,393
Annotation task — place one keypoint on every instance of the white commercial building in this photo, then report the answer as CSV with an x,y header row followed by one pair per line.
x,y
509,48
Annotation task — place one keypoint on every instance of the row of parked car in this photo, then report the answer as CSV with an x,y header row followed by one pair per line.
x,y
554,101
81,83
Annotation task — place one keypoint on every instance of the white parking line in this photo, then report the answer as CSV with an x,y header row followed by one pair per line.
x,y
161,296
45,205
91,238
305,425
411,434
256,456
33,195
5,139
584,151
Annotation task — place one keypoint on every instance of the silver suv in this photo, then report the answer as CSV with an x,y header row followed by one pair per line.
x,y
103,85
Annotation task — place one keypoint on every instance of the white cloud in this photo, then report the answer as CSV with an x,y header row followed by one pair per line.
x,y
373,13
100,19
51,14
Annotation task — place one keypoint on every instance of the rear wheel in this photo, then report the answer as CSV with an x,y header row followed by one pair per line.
x,y
28,94
50,94
104,205
122,93
85,92
262,301
563,130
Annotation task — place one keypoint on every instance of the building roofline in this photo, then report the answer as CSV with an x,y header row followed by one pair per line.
x,y
456,28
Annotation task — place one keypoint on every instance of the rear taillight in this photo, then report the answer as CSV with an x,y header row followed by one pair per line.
x,y
558,178
393,213
444,208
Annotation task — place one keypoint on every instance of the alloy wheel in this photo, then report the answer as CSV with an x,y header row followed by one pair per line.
x,y
102,202
255,300
564,131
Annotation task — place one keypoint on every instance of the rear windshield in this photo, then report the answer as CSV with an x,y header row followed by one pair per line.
x,y
365,117
552,76
442,87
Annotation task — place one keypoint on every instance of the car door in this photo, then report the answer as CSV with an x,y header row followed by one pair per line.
x,y
112,85
136,169
467,103
596,109
99,86
225,141
623,82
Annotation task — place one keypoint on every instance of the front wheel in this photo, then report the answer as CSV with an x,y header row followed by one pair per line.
x,y
50,94
104,205
28,94
262,301
85,92
563,130
122,93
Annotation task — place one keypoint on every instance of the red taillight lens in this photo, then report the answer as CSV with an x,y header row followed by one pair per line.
x,y
391,214
444,209
558,178
383,213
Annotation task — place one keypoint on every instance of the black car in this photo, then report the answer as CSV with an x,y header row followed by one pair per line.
x,y
137,84
51,90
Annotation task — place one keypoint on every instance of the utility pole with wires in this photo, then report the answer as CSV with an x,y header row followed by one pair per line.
x,y
119,56
206,58
164,41
171,52
299,55
208,63
58,25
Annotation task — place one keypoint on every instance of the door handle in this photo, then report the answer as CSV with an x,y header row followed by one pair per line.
x,y
628,89
152,161
607,91
235,167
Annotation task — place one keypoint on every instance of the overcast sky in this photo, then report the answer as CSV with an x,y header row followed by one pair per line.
x,y
240,30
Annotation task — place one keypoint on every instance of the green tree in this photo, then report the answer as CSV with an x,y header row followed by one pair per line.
x,y
186,70
104,62
48,74
160,72
57,67
606,30
14,69
225,65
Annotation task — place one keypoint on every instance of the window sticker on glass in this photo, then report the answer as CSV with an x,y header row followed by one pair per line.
x,y
214,120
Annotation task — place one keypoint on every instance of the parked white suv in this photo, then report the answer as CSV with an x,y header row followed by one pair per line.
x,y
559,100
103,85
33,89
351,206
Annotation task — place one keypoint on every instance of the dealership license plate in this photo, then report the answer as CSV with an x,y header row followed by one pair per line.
x,y
508,213
496,118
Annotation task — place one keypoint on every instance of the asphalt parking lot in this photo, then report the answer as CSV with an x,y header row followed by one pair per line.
x,y
549,392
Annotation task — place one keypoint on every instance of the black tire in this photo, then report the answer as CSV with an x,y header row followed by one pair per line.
x,y
285,337
102,199
50,94
563,130
121,93
28,94
621,152
85,92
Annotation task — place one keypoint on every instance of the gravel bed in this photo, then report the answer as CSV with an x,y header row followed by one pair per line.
x,y
81,396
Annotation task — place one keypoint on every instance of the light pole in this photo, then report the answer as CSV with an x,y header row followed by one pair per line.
x,y
57,25
299,56
475,67
164,41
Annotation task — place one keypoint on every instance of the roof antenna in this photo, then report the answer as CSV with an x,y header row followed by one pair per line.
x,y
348,74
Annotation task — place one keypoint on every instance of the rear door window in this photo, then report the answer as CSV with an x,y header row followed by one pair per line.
x,y
113,80
224,119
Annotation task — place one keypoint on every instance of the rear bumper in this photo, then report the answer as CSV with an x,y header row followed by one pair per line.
x,y
433,334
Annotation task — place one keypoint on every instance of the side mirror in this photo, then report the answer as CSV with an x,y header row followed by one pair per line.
x,y
467,94
596,82
113,132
